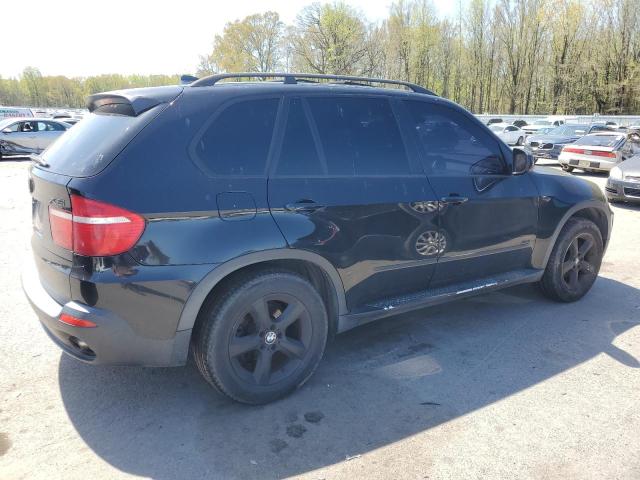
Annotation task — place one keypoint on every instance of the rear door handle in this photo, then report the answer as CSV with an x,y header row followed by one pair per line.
x,y
304,205
454,199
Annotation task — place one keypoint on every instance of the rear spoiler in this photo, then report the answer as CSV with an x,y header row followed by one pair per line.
x,y
134,101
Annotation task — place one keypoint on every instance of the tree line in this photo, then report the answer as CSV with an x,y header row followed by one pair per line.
x,y
499,56
507,56
35,90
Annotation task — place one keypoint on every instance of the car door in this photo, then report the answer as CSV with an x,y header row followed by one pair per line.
x,y
24,139
345,186
488,217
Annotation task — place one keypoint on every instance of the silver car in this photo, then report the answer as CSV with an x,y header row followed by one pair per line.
x,y
623,184
24,136
599,151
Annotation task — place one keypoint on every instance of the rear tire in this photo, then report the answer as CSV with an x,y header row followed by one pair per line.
x,y
262,337
566,168
574,262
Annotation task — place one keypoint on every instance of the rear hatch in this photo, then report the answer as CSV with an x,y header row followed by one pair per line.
x,y
83,151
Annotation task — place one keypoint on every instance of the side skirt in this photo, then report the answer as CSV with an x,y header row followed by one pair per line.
x,y
406,303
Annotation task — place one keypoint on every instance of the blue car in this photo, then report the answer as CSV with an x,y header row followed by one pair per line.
x,y
549,145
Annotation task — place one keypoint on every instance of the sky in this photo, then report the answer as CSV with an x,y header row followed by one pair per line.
x,y
79,38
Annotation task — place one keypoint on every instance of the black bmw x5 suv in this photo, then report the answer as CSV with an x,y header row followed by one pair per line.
x,y
248,222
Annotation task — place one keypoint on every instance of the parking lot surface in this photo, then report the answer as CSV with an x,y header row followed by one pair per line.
x,y
505,385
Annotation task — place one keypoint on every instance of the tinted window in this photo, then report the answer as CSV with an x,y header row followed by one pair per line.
x,y
94,142
238,140
359,136
452,142
298,155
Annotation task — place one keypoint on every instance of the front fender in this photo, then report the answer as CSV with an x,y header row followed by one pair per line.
x,y
563,196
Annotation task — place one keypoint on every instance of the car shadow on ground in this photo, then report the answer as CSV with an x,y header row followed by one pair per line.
x,y
376,385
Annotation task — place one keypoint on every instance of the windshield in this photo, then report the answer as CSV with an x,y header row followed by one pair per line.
x,y
600,140
6,122
568,131
496,128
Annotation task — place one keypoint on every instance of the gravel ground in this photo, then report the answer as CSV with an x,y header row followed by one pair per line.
x,y
506,385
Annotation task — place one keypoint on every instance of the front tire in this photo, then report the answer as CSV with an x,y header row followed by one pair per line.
x,y
262,337
520,141
574,262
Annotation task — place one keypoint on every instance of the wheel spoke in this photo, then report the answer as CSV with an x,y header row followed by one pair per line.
x,y
573,278
262,372
240,345
291,313
587,267
573,248
260,314
291,347
586,246
567,267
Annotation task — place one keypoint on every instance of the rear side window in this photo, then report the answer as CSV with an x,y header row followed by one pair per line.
x,y
87,148
451,142
298,155
237,141
359,136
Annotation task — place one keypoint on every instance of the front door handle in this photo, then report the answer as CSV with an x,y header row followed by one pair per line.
x,y
304,205
454,199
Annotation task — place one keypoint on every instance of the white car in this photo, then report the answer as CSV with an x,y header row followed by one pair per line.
x,y
551,121
510,134
599,151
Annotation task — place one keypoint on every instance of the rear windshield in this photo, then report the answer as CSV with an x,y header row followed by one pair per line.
x,y
600,140
88,147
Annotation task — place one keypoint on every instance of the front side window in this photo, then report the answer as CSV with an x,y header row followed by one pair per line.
x,y
359,136
452,143
28,127
237,141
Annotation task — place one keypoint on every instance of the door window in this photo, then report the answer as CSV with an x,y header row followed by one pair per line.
x,y
299,155
28,127
359,136
452,143
237,141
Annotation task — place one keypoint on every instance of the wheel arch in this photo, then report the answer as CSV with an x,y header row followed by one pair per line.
x,y
593,210
315,268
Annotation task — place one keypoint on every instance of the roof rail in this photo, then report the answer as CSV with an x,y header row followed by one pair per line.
x,y
292,79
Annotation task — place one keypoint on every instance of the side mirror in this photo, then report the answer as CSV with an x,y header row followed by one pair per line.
x,y
7,130
522,161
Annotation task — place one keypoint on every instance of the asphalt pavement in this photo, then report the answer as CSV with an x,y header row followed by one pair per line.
x,y
504,385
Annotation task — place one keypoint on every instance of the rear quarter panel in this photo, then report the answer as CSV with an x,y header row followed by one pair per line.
x,y
154,176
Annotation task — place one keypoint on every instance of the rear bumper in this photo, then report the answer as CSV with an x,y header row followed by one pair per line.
x,y
619,190
600,165
111,342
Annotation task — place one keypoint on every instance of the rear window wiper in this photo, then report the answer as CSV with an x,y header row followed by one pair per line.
x,y
38,159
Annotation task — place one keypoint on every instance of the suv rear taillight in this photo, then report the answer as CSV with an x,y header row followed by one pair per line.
x,y
94,228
